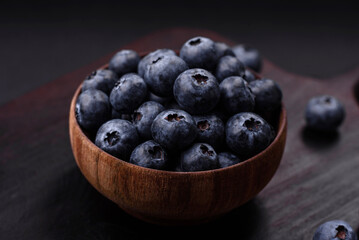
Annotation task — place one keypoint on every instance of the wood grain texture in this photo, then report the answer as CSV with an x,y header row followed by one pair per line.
x,y
45,196
174,198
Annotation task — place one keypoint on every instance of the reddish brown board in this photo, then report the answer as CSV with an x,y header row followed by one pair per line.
x,y
44,196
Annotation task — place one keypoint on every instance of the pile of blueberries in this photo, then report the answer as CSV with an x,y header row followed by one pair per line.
x,y
201,109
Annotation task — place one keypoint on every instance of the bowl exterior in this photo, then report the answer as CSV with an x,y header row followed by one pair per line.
x,y
166,197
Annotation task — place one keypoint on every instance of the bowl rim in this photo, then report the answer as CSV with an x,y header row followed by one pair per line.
x,y
282,126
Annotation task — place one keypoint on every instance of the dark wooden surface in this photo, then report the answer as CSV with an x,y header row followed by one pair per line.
x,y
44,196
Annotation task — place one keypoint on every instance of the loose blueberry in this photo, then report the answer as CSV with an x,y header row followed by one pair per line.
x,y
210,130
229,66
128,94
150,155
248,134
124,61
324,113
236,96
199,157
199,52
196,91
162,72
249,56
268,95
227,159
102,79
152,56
92,109
117,137
174,129
144,116
335,230
223,49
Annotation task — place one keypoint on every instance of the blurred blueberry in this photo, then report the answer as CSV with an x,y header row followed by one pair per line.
x,y
222,49
249,56
229,66
324,113
124,61
249,76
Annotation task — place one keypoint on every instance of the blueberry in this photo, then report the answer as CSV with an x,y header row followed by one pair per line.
x,y
249,76
161,73
335,230
117,137
174,129
150,155
144,116
128,94
92,109
199,157
152,56
249,56
236,96
102,79
199,52
227,159
223,49
210,130
268,95
229,66
248,134
124,61
196,91
324,113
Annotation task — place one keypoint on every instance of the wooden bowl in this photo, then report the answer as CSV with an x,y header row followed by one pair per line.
x,y
174,198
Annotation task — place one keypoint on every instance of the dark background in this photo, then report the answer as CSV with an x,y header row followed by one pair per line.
x,y
45,196
42,41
